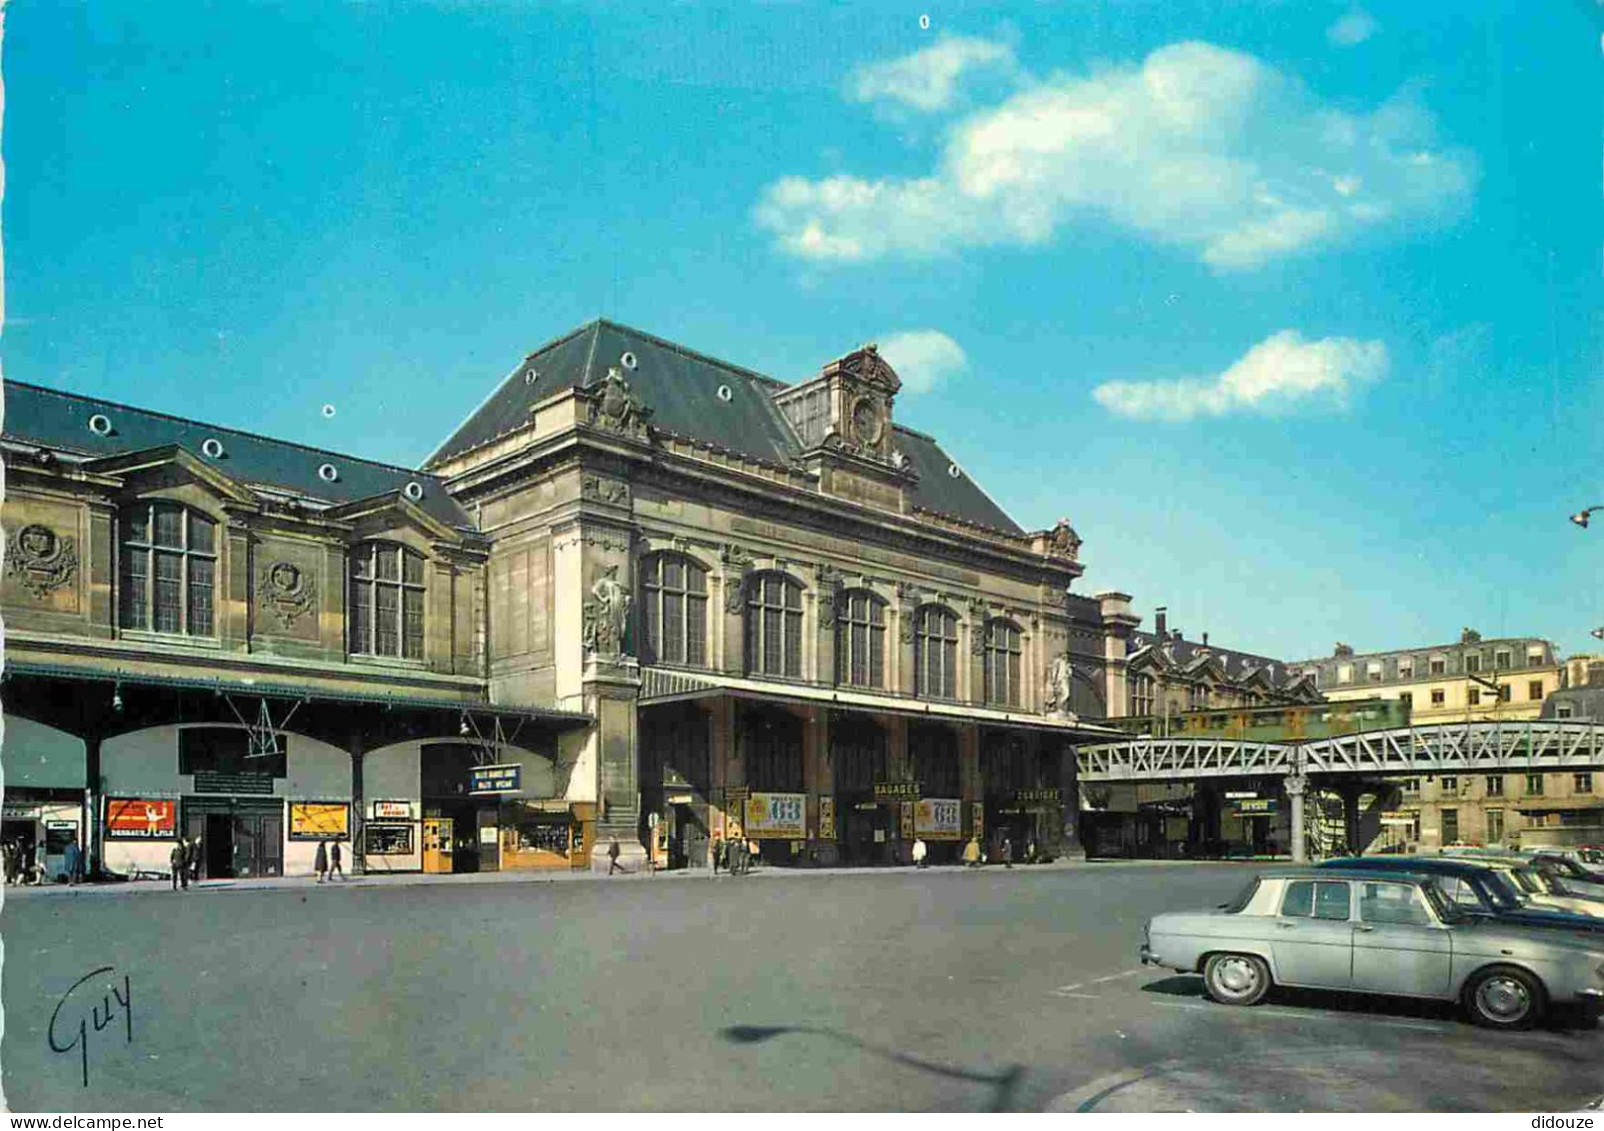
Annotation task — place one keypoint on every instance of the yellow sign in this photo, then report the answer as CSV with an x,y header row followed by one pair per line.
x,y
320,820
781,816
977,819
905,824
826,818
939,819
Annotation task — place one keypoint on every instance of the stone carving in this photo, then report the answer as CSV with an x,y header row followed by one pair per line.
x,y
908,593
616,408
829,590
866,364
606,490
288,592
1065,542
41,560
737,564
906,626
1060,678
606,615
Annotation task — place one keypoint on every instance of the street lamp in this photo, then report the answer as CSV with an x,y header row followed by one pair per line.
x,y
1580,517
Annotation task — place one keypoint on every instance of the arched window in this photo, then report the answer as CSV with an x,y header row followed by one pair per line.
x,y
774,626
860,634
386,601
169,569
674,610
935,652
1003,653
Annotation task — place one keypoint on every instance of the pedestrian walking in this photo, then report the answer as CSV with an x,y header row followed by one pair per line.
x,y
754,853
320,862
718,854
972,853
8,854
919,852
1030,852
73,857
737,857
41,866
334,862
1006,851
612,856
193,850
178,858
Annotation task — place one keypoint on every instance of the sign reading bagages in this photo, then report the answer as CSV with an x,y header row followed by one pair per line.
x,y
496,779
141,818
780,816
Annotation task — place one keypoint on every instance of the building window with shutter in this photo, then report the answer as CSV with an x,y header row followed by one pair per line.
x,y
774,626
169,569
860,628
674,611
935,653
387,594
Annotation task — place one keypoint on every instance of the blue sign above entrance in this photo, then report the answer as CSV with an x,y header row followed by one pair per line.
x,y
496,779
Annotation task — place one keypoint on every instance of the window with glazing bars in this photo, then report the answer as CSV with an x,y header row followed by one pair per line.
x,y
387,594
860,627
774,626
169,569
935,653
1002,663
674,610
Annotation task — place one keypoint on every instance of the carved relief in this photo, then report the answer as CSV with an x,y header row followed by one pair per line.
x,y
616,408
829,590
41,560
287,592
605,616
737,564
906,626
1056,695
605,490
1065,542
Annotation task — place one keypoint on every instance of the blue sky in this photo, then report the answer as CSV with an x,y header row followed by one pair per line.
x,y
1293,309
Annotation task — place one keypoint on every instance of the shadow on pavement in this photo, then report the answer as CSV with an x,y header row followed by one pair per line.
x,y
1003,1084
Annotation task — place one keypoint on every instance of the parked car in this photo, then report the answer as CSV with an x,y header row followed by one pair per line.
x,y
1576,876
1376,932
1476,887
1544,884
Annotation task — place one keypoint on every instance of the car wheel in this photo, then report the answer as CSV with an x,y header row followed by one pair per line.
x,y
1236,979
1504,997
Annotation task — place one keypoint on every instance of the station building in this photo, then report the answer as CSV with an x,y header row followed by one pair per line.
x,y
639,594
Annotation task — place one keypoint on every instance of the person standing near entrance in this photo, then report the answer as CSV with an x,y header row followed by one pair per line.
x,y
612,855
1007,852
718,853
178,858
192,852
972,853
334,862
320,862
73,857
919,851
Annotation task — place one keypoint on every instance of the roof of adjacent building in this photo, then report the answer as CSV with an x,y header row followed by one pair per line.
x,y
1238,665
683,390
1457,645
1585,703
60,421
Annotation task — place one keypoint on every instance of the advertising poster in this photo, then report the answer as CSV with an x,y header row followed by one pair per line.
x,y
320,820
826,818
141,818
506,778
977,820
939,818
780,816
394,810
905,820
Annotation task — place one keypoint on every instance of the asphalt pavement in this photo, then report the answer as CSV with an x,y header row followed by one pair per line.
x,y
897,990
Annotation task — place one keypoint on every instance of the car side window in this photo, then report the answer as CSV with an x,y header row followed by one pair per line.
x,y
1393,903
1305,899
1460,891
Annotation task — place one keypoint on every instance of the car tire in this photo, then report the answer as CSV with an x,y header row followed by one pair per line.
x,y
1236,979
1504,997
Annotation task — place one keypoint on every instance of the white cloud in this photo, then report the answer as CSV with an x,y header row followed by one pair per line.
x,y
928,80
1352,29
1199,147
1281,373
923,358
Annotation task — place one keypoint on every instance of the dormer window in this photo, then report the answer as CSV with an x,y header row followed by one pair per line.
x,y
387,601
169,569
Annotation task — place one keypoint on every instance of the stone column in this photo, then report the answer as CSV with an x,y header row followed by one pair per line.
x,y
1069,783
819,778
358,806
94,788
1296,785
612,687
969,784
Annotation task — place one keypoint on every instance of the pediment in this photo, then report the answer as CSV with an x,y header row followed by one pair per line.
x,y
389,513
173,465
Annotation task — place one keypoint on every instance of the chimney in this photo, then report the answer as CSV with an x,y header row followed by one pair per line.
x,y
1205,640
1175,634
1160,629
1595,674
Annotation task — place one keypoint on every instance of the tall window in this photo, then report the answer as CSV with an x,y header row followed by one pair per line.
x,y
169,568
1141,694
674,610
1003,653
386,601
935,652
860,634
774,626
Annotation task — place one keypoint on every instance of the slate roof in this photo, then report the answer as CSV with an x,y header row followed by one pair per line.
x,y
60,421
1585,703
1238,665
681,387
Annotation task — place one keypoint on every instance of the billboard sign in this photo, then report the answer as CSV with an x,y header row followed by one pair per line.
x,y
780,816
320,820
939,818
496,779
141,818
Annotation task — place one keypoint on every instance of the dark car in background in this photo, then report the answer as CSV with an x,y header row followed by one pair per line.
x,y
1475,888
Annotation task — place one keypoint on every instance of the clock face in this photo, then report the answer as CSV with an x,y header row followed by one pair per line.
x,y
866,422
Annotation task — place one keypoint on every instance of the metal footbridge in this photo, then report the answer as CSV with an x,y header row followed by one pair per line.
x,y
1526,747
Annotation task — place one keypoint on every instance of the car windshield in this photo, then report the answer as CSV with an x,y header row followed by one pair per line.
x,y
1498,891
1534,881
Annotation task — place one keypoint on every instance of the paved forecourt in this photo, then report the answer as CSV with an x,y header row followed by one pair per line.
x,y
933,990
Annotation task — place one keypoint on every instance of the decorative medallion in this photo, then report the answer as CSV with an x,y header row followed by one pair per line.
x,y
41,561
288,592
867,423
1065,542
616,408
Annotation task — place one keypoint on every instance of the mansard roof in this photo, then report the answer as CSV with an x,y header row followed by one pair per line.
x,y
1193,658
683,390
60,421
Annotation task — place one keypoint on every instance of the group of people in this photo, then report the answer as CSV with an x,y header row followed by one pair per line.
x,y
735,855
185,861
327,861
22,866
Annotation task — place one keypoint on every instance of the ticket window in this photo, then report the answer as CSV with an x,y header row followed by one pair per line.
x,y
438,846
